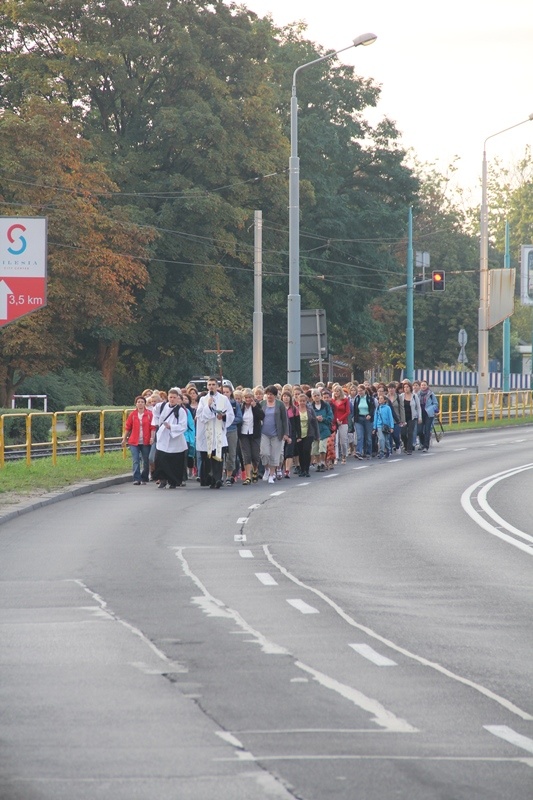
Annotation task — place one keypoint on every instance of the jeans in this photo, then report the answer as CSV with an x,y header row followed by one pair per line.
x,y
384,442
364,436
424,431
139,451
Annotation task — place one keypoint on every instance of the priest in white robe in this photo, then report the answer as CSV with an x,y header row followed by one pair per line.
x,y
213,416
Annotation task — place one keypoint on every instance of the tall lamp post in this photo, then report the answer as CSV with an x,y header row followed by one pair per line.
x,y
294,300
483,318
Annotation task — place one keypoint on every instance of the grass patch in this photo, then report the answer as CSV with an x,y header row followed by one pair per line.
x,y
491,423
41,476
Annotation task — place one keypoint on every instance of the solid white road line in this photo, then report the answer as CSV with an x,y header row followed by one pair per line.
x,y
487,483
246,554
266,578
372,655
419,659
503,732
303,607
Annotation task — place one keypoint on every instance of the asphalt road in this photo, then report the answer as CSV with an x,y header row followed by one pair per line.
x,y
364,634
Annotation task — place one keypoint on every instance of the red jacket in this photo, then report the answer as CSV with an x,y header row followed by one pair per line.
x,y
132,425
341,410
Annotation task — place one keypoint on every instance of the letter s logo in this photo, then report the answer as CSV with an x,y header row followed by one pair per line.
x,y
22,240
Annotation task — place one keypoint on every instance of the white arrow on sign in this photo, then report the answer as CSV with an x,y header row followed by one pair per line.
x,y
5,291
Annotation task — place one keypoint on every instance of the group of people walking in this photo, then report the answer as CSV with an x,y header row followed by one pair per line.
x,y
226,434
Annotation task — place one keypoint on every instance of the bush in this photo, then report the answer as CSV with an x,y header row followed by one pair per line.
x,y
90,423
15,429
69,388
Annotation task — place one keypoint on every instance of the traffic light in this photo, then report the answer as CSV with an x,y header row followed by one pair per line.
x,y
438,280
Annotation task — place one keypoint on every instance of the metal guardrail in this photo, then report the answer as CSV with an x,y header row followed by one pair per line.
x,y
493,406
56,445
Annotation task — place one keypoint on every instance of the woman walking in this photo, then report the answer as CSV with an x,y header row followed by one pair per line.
x,y
138,437
274,434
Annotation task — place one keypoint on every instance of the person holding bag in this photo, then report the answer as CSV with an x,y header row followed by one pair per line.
x,y
137,433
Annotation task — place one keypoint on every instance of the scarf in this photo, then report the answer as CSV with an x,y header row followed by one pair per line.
x,y
213,435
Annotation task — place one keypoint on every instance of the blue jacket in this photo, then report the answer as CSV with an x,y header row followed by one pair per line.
x,y
383,416
238,415
325,411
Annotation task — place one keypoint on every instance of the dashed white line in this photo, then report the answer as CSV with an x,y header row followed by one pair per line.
x,y
303,484
372,655
239,537
503,732
333,475
242,520
246,554
303,607
276,494
254,506
266,579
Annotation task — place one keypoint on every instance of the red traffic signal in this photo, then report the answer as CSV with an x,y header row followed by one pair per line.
x,y
438,280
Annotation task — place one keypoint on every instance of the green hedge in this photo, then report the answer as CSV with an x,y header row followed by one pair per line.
x,y
90,423
15,429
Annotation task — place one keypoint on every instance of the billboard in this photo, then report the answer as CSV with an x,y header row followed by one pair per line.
x,y
23,253
526,274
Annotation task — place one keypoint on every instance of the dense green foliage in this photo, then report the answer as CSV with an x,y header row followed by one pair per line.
x,y
183,106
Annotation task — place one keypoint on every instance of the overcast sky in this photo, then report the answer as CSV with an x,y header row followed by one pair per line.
x,y
451,74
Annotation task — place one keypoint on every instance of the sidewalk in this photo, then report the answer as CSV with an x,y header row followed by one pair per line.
x,y
23,504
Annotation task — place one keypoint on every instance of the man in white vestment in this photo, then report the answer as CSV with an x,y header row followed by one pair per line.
x,y
213,415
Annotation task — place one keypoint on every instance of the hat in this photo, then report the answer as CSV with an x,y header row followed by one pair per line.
x,y
225,382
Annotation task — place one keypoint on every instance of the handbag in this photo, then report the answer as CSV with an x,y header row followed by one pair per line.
x,y
386,429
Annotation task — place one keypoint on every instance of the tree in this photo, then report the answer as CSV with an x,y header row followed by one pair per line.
x,y
95,258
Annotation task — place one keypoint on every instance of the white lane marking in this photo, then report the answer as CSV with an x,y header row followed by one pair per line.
x,y
458,449
390,757
303,484
242,520
395,460
276,494
368,652
503,732
303,607
419,659
386,719
333,475
254,506
363,466
246,554
483,502
491,444
173,666
466,502
239,537
216,608
266,579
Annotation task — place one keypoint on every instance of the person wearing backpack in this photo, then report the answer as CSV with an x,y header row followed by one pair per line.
x,y
171,445
430,408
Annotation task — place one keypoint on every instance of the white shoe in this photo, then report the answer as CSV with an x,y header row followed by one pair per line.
x,y
272,479
266,475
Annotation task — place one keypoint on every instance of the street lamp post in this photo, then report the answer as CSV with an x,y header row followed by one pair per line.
x,y
294,300
483,317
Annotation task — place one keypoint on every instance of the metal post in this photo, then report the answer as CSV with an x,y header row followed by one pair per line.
x,y
319,349
258,301
483,313
294,299
506,360
409,330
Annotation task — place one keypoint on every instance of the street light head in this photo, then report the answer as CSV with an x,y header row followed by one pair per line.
x,y
365,39
530,116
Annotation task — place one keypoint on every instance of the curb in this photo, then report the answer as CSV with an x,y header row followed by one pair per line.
x,y
24,507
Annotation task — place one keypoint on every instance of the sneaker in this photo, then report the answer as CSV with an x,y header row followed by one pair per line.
x,y
279,473
136,483
162,485
359,456
272,479
287,474
229,481
266,475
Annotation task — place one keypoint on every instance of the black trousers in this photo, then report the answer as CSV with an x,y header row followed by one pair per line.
x,y
169,467
303,450
211,469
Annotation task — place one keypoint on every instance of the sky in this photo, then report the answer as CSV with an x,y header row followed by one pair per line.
x,y
451,73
